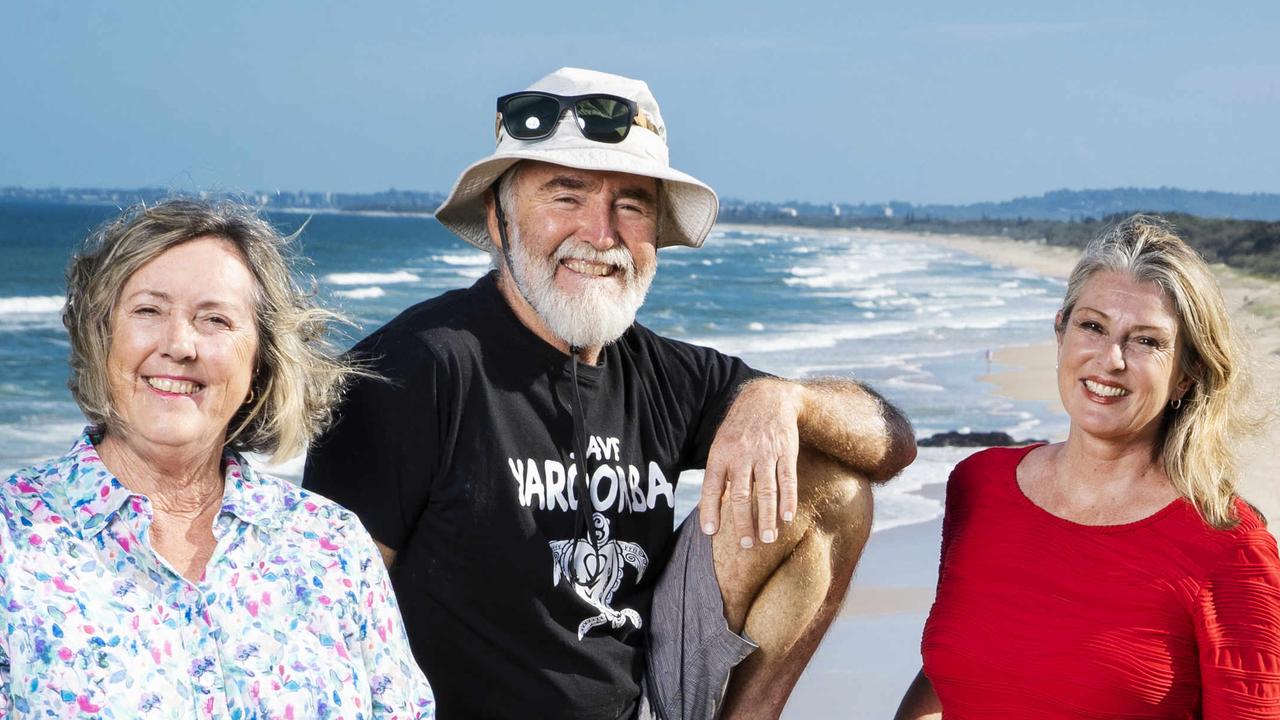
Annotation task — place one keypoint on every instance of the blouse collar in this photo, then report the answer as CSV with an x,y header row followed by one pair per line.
x,y
95,495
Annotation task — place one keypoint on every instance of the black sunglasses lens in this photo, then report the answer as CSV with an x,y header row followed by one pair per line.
x,y
603,119
529,117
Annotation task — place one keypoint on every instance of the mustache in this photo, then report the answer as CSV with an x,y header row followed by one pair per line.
x,y
617,256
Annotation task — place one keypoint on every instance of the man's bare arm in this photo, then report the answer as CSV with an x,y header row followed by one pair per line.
x,y
856,427
754,451
388,555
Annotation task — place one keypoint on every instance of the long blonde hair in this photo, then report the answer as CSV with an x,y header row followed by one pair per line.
x,y
1199,437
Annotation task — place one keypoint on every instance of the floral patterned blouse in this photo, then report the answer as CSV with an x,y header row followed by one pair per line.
x,y
294,617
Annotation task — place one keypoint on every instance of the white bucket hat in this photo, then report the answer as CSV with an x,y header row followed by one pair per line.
x,y
688,206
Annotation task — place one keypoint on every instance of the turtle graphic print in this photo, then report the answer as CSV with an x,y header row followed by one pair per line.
x,y
594,567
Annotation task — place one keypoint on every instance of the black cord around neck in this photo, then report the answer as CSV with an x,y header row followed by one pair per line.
x,y
582,521
582,518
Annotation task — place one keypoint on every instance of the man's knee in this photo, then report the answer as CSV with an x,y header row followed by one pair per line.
x,y
817,551
834,500
802,592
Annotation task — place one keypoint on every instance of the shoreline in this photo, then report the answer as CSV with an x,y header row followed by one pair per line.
x,y
1253,302
873,647
1049,260
1028,372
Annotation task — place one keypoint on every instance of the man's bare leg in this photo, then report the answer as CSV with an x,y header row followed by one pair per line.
x,y
786,593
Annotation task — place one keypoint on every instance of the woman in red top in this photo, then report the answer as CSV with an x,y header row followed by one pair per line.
x,y
1117,574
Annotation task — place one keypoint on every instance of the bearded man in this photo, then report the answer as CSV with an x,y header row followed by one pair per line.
x,y
518,456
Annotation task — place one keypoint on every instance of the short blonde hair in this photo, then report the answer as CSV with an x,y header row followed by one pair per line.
x,y
1198,437
299,379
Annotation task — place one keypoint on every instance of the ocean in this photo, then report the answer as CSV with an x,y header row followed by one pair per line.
x,y
915,321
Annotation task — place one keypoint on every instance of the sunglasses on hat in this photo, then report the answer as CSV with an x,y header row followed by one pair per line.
x,y
531,115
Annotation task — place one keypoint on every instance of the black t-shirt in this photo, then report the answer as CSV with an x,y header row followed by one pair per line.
x,y
462,461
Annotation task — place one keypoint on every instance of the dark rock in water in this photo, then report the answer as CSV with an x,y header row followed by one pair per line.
x,y
972,439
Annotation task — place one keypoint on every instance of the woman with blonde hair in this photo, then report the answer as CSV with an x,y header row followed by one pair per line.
x,y
1116,574
151,570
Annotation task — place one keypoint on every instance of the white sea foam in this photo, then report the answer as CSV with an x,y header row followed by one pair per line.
x,y
848,274
963,306
895,509
371,278
905,384
901,502
1029,274
927,321
802,338
31,305
932,467
979,293
26,313
874,292
747,241
475,258
870,361
364,293
23,444
63,433
996,322
893,302
1031,426
470,272
1030,292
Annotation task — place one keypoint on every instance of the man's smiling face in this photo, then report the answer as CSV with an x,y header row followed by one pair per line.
x,y
583,248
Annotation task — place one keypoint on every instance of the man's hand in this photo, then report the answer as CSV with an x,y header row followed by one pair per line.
x,y
754,451
754,456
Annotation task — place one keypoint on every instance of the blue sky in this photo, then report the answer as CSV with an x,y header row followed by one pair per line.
x,y
809,99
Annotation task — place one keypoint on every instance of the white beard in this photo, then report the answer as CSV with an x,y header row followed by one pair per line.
x,y
599,314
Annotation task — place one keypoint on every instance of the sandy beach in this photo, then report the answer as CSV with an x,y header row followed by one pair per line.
x,y
872,650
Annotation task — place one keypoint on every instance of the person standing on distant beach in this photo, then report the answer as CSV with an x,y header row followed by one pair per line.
x,y
1117,574
519,467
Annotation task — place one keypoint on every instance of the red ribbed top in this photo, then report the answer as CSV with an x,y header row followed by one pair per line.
x,y
1041,617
